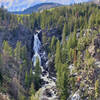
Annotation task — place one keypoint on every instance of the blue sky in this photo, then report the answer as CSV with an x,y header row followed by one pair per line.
x,y
18,5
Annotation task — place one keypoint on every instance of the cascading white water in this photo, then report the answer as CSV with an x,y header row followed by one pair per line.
x,y
49,83
36,49
76,96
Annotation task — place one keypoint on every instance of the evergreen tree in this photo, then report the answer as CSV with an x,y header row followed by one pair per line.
x,y
75,58
87,55
23,53
64,34
69,42
32,90
79,59
37,75
60,24
44,38
58,54
31,75
97,89
7,49
62,73
53,43
26,80
63,80
17,51
74,40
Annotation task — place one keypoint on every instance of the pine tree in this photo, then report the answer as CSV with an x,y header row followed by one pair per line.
x,y
23,53
37,75
75,58
7,49
62,73
31,75
74,40
69,42
32,90
17,51
79,59
64,34
26,80
44,38
63,80
53,43
97,89
87,55
60,24
58,54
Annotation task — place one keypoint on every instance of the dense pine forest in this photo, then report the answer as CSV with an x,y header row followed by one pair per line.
x,y
69,51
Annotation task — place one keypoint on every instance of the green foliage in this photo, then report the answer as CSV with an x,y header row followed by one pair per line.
x,y
89,61
37,74
23,53
81,44
68,21
58,54
7,49
64,34
44,38
26,80
62,73
92,20
33,98
17,51
32,90
72,81
87,55
63,81
79,59
97,89
72,41
53,43
60,24
21,96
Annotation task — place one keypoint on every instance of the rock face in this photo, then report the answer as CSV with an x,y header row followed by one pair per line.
x,y
4,97
20,33
50,67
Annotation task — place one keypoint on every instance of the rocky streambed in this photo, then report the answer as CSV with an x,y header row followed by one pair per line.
x,y
48,90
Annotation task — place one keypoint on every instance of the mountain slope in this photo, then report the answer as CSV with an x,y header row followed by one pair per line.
x,y
38,7
96,1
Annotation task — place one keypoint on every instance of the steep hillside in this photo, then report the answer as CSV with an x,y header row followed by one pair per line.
x,y
39,7
96,1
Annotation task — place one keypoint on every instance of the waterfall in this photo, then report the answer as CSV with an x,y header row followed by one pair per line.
x,y
75,96
49,83
36,49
